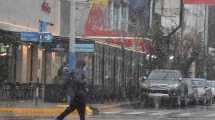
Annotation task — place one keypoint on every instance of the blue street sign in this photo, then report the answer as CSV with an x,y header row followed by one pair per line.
x,y
84,48
36,37
46,37
30,36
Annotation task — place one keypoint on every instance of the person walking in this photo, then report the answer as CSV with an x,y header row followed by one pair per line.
x,y
75,87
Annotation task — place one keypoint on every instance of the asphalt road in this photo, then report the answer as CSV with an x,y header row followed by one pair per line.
x,y
191,113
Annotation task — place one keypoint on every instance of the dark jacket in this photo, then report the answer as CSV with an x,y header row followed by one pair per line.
x,y
75,84
68,84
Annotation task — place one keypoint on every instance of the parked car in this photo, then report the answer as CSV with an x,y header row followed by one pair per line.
x,y
202,94
164,84
211,85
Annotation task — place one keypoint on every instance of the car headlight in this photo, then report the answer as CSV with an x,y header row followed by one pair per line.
x,y
144,85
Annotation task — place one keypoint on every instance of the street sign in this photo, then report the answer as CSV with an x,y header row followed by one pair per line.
x,y
58,49
30,36
84,48
46,37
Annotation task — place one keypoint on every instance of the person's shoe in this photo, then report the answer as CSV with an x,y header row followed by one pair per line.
x,y
95,110
57,118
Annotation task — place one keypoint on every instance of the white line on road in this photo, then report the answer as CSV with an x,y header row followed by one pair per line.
x,y
185,114
134,113
115,112
210,115
160,113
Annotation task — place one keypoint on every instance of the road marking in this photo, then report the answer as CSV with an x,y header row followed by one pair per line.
x,y
210,115
113,112
134,113
185,114
161,113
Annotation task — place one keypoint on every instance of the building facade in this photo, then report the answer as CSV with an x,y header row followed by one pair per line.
x,y
193,32
93,18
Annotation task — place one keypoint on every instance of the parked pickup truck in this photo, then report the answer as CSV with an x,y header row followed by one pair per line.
x,y
164,86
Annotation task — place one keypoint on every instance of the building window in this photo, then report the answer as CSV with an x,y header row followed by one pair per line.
x,y
117,16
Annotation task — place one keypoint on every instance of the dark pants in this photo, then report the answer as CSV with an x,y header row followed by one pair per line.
x,y
76,103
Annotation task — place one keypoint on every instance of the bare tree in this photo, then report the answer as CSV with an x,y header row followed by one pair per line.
x,y
187,52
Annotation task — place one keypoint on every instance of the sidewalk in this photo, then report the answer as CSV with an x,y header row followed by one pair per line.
x,y
30,109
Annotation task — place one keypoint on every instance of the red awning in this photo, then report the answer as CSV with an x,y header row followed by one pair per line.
x,y
210,2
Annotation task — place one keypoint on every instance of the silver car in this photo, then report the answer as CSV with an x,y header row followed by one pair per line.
x,y
211,85
202,94
164,85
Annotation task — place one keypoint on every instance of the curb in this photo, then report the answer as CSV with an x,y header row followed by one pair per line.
x,y
54,111
39,112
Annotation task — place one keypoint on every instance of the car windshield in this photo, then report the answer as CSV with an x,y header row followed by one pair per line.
x,y
198,83
162,75
211,84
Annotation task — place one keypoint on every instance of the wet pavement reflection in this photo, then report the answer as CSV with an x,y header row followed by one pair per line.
x,y
190,113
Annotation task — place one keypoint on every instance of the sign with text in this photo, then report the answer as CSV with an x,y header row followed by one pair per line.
x,y
209,2
44,37
88,48
30,36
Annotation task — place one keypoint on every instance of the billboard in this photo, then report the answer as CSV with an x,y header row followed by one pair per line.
x,y
24,15
199,2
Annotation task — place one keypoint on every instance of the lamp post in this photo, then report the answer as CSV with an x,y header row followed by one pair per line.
x,y
72,34
205,41
72,58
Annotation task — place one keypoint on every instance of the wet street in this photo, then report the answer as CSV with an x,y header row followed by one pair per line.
x,y
191,113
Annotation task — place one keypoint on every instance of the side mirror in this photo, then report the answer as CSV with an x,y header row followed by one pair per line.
x,y
143,78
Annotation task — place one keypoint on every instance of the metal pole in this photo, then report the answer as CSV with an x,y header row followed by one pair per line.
x,y
206,40
151,13
31,65
72,57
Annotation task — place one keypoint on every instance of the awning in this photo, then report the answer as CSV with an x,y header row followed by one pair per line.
x,y
209,2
